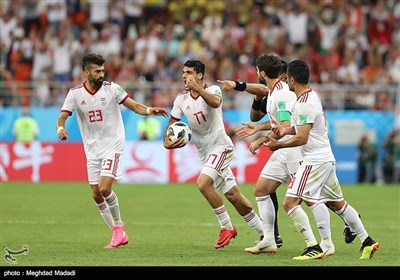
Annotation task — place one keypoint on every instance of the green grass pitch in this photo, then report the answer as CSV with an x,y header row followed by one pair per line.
x,y
172,225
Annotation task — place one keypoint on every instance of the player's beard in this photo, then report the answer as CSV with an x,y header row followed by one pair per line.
x,y
98,83
261,80
291,87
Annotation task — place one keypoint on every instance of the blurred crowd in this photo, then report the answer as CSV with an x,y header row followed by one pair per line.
x,y
146,42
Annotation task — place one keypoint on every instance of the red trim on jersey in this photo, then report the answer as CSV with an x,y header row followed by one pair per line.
x,y
68,111
303,97
77,86
277,85
195,97
90,92
124,99
172,117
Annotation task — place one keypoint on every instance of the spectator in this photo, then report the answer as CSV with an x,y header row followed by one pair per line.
x,y
149,128
367,158
391,145
26,128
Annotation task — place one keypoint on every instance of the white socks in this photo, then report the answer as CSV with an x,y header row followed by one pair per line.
x,y
223,217
112,202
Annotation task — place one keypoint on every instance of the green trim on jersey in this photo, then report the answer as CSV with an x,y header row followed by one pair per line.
x,y
283,116
120,89
218,92
303,119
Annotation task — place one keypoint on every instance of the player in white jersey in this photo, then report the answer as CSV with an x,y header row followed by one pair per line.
x,y
315,182
97,106
202,106
283,164
257,112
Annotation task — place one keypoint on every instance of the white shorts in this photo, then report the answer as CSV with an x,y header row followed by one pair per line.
x,y
316,182
279,171
217,167
108,166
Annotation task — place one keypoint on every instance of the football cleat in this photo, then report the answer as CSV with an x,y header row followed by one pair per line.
x,y
311,253
278,241
119,237
368,248
262,247
225,237
349,235
124,241
327,249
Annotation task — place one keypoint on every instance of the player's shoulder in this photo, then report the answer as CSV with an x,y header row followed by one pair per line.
x,y
109,84
183,93
76,87
213,88
309,96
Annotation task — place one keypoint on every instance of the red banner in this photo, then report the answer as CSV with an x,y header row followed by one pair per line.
x,y
143,162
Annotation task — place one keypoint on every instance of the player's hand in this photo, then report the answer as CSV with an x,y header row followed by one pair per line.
x,y
191,83
246,130
159,112
277,128
178,143
63,134
272,144
227,84
253,147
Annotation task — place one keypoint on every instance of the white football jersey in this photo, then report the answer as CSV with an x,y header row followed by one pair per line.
x,y
99,118
282,99
308,109
206,122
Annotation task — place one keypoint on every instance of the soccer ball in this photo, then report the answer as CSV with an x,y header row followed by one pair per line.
x,y
179,130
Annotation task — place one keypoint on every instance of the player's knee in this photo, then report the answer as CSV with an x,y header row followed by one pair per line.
x,y
235,197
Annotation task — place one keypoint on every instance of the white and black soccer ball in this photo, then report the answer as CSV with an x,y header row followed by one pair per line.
x,y
179,130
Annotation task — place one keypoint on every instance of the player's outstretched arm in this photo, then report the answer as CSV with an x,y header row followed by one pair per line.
x,y
143,109
252,88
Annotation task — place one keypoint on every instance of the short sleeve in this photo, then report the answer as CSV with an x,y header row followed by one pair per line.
x,y
119,92
177,112
306,114
69,103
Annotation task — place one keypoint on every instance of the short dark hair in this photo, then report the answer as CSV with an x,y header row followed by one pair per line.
x,y
92,58
299,71
283,67
270,64
198,66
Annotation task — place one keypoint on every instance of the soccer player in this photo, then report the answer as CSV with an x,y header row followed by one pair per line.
x,y
283,164
202,105
257,112
97,105
315,181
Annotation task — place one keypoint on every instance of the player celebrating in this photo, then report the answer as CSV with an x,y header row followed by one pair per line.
x,y
315,181
96,103
202,106
257,112
282,165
